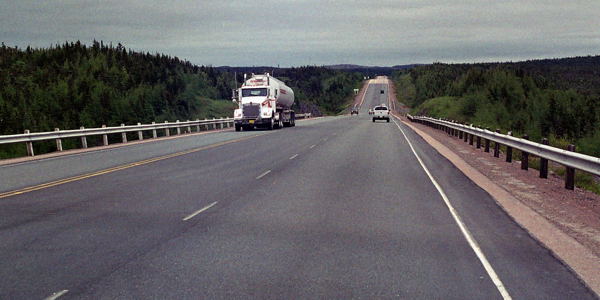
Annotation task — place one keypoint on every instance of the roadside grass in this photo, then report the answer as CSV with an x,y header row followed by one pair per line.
x,y
210,108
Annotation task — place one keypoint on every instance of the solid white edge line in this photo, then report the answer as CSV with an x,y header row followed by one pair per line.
x,y
263,174
56,295
200,210
312,146
463,228
363,96
294,156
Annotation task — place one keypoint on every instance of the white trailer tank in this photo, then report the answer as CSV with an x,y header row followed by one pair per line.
x,y
283,95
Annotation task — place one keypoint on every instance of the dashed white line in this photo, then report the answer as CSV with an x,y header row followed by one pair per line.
x,y
325,139
263,174
56,295
312,146
200,210
294,156
463,228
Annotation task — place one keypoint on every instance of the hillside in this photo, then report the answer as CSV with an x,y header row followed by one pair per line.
x,y
71,85
555,98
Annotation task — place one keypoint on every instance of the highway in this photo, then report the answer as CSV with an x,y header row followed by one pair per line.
x,y
336,207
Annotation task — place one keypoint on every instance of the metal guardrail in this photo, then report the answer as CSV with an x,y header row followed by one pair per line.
x,y
57,135
570,159
303,116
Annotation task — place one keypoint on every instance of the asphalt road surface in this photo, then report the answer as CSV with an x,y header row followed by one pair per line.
x,y
337,207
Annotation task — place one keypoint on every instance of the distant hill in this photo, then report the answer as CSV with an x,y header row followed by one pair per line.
x,y
364,70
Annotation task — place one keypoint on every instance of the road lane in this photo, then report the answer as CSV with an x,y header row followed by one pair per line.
x,y
26,174
355,216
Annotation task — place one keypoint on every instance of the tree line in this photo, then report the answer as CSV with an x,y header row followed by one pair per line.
x,y
72,84
546,98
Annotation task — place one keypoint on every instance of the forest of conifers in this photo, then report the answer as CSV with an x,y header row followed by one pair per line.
x,y
554,98
71,85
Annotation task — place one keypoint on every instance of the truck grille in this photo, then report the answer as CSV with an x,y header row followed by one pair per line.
x,y
251,110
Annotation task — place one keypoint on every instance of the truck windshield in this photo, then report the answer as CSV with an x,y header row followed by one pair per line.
x,y
254,92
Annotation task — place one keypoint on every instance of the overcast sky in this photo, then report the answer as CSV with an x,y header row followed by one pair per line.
x,y
307,32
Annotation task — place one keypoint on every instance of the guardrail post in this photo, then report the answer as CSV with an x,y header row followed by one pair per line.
x,y
570,174
544,162
487,142
167,132
189,127
471,137
214,125
83,139
198,125
29,145
478,142
525,157
58,141
497,146
140,134
178,128
104,137
205,124
124,135
460,134
509,150
154,135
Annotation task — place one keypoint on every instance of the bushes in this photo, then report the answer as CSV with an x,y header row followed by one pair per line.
x,y
502,97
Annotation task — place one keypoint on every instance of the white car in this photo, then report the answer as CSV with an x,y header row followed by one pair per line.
x,y
381,112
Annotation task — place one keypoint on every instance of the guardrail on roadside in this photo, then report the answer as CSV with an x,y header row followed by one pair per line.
x,y
303,116
568,158
57,135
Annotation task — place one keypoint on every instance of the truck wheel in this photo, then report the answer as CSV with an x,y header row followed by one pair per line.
x,y
270,125
388,120
238,127
373,120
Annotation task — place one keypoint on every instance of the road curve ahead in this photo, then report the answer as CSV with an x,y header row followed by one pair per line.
x,y
338,207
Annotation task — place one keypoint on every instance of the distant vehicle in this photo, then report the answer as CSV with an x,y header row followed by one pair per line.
x,y
370,111
263,101
381,112
354,111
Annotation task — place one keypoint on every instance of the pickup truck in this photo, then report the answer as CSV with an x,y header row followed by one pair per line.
x,y
381,112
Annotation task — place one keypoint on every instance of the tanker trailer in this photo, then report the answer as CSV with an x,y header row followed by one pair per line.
x,y
263,101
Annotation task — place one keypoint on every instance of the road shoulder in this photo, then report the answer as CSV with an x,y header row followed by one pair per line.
x,y
579,258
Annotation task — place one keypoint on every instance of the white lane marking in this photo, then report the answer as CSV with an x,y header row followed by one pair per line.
x,y
263,174
463,228
200,210
56,295
312,146
363,96
294,156
325,139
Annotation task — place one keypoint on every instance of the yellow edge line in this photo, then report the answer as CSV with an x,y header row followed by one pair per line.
x,y
117,168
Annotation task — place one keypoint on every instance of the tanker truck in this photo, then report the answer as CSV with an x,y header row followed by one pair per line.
x,y
263,101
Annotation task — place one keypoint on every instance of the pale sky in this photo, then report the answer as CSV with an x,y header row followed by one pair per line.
x,y
312,32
